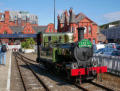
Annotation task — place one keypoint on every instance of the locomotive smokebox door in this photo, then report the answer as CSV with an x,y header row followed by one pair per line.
x,y
39,40
80,33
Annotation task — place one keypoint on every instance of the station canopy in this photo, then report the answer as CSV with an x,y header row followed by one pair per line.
x,y
18,35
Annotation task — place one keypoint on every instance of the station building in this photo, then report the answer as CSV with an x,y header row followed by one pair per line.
x,y
112,34
69,22
20,23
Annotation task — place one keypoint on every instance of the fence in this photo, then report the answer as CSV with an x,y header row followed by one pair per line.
x,y
112,63
14,46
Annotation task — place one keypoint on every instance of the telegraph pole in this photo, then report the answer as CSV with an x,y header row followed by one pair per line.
x,y
54,13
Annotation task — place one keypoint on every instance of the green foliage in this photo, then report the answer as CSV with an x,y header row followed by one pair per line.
x,y
28,43
54,55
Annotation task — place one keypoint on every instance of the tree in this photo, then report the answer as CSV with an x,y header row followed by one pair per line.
x,y
28,43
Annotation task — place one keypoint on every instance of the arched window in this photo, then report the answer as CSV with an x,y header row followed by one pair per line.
x,y
72,29
75,30
85,30
94,40
89,29
5,32
49,30
52,30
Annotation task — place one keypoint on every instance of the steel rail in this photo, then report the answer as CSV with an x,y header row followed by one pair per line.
x,y
38,78
20,73
77,85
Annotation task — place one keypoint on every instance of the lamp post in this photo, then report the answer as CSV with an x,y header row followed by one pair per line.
x,y
54,13
39,40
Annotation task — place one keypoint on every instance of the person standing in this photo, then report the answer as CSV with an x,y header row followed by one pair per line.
x,y
0,55
3,53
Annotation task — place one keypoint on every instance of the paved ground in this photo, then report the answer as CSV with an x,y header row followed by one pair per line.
x,y
5,74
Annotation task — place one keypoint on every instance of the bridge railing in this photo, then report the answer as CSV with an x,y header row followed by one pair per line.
x,y
112,63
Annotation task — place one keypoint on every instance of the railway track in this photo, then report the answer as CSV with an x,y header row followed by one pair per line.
x,y
91,86
30,80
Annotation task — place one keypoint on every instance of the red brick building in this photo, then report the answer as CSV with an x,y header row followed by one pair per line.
x,y
70,22
13,22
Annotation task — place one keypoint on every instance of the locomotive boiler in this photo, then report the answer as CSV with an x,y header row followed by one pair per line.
x,y
74,60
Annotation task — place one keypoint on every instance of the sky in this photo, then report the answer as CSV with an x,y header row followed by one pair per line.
x,y
100,11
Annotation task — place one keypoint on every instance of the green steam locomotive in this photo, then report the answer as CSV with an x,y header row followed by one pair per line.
x,y
74,60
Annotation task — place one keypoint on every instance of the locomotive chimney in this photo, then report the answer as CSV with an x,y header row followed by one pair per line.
x,y
80,33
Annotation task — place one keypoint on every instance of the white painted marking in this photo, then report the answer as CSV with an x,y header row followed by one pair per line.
x,y
9,73
51,86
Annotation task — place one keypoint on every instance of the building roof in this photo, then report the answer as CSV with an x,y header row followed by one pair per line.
x,y
106,26
62,18
79,17
72,18
40,28
17,29
112,33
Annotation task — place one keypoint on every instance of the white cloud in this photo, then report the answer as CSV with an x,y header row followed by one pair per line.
x,y
114,16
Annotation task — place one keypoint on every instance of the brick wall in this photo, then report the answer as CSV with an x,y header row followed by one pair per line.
x,y
5,29
72,27
28,29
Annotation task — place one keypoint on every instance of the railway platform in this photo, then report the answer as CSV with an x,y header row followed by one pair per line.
x,y
5,72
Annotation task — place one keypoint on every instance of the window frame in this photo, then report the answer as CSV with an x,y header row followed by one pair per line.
x,y
90,30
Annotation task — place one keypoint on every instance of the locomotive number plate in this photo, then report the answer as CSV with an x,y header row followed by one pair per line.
x,y
85,43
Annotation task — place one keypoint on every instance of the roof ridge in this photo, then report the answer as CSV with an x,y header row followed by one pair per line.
x,y
80,14
41,26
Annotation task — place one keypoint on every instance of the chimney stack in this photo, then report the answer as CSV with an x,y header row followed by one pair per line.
x,y
6,17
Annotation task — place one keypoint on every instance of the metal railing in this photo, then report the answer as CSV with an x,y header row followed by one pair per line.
x,y
112,63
